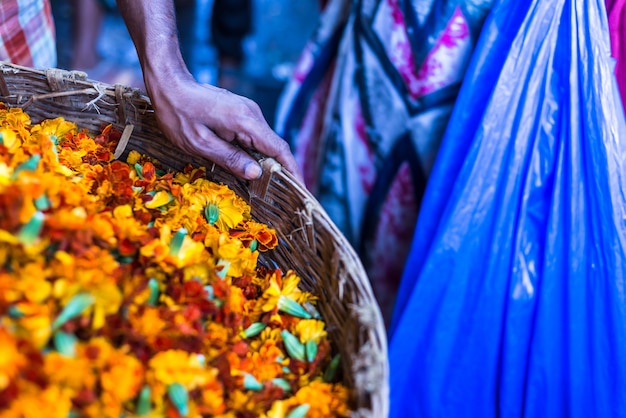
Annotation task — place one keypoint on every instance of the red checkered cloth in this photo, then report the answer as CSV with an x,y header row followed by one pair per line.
x,y
27,34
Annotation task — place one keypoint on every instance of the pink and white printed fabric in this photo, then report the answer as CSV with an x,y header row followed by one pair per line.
x,y
365,112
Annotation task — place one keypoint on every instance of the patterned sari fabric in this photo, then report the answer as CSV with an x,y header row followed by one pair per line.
x,y
366,110
616,11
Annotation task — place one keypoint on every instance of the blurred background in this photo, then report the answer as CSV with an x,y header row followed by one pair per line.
x,y
246,46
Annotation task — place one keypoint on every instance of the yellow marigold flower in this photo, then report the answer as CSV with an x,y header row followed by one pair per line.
x,y
108,301
268,335
236,300
277,288
8,293
33,283
241,401
16,118
177,366
34,324
310,330
5,174
10,358
160,198
125,223
278,410
191,252
199,272
241,260
9,139
224,205
72,158
54,128
133,157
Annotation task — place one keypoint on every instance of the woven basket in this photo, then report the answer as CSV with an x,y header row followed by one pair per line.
x,y
309,241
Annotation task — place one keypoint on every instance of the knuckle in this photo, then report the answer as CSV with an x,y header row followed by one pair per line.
x,y
233,159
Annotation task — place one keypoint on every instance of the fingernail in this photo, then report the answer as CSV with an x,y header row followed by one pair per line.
x,y
253,171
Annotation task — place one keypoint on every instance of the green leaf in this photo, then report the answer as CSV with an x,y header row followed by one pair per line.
x,y
311,350
177,241
294,347
211,213
28,165
74,308
331,371
292,307
180,398
299,411
144,405
254,329
30,231
153,299
65,343
250,383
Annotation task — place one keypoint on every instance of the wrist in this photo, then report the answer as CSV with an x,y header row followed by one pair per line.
x,y
164,77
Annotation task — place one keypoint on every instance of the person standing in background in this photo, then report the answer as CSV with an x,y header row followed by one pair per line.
x,y
27,34
198,118
365,112
231,22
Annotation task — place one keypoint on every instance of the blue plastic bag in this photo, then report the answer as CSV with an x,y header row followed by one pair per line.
x,y
513,300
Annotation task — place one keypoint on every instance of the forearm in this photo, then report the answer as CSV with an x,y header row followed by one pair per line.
x,y
198,118
152,26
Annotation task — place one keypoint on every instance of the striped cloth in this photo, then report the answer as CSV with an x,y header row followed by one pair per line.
x,y
27,35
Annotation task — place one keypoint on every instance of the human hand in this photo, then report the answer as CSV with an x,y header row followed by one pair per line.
x,y
218,125
198,118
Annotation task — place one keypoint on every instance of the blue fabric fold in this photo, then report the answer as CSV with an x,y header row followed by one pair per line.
x,y
512,302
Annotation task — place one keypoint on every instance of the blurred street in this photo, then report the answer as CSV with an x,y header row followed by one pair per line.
x,y
280,28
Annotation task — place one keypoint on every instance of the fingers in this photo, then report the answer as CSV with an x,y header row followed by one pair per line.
x,y
213,120
228,156
257,134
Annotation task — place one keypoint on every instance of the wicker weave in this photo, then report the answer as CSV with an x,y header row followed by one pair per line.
x,y
309,241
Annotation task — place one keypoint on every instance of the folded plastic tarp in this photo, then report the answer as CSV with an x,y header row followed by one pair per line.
x,y
512,303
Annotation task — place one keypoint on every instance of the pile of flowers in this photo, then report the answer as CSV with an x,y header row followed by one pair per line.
x,y
126,290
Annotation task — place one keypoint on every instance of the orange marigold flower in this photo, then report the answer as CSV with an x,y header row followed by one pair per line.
x,y
11,360
324,400
68,372
250,230
33,401
147,323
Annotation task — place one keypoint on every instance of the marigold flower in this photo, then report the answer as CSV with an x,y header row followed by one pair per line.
x,y
310,330
32,401
177,366
324,399
11,360
127,288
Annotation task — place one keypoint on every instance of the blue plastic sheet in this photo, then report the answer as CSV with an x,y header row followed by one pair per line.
x,y
512,303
